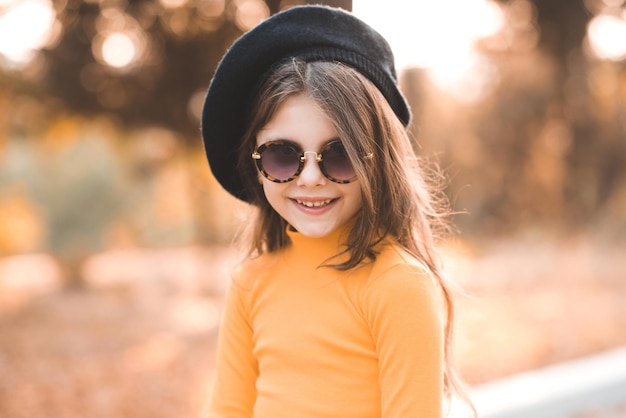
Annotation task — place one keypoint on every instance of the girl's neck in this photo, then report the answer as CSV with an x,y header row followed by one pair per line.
x,y
311,252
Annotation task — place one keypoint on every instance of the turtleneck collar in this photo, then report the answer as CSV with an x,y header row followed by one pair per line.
x,y
311,252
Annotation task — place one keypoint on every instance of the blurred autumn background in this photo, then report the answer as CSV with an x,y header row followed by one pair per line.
x,y
114,237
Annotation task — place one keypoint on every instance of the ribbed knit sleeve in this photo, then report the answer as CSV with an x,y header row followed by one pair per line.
x,y
234,393
403,307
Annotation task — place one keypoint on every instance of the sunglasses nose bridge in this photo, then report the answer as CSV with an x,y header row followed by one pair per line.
x,y
311,174
318,157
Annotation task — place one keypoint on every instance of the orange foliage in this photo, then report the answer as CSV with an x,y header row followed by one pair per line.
x,y
21,226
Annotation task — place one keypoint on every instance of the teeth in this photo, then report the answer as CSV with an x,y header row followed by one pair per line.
x,y
317,204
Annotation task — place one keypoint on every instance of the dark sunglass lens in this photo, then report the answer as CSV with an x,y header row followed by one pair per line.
x,y
336,162
280,161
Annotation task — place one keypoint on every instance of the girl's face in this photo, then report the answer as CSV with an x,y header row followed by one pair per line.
x,y
311,203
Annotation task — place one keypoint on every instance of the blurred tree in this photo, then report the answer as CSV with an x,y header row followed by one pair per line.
x,y
155,91
595,142
562,25
554,133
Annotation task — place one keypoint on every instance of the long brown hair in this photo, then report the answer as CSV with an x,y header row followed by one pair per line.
x,y
398,200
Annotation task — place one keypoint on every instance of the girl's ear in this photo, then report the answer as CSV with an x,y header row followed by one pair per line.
x,y
259,178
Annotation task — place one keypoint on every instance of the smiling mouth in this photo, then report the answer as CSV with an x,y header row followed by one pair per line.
x,y
315,204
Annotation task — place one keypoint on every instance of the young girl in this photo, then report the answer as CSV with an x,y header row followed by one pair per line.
x,y
340,309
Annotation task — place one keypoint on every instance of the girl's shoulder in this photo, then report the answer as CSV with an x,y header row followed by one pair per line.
x,y
396,275
393,256
395,267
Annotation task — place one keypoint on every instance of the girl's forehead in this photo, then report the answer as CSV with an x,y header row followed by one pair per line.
x,y
299,119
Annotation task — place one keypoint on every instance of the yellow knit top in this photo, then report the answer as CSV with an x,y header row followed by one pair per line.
x,y
302,341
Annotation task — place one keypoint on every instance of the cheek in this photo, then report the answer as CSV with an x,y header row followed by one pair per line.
x,y
355,197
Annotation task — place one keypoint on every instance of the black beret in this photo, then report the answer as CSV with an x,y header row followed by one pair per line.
x,y
310,33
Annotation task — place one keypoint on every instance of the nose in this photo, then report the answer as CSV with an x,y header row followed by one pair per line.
x,y
311,174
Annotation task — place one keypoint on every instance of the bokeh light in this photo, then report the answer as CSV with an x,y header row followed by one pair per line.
x,y
172,4
469,80
120,42
118,49
606,35
25,27
438,36
211,8
249,13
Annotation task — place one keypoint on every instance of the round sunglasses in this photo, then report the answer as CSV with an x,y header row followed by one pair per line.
x,y
282,161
